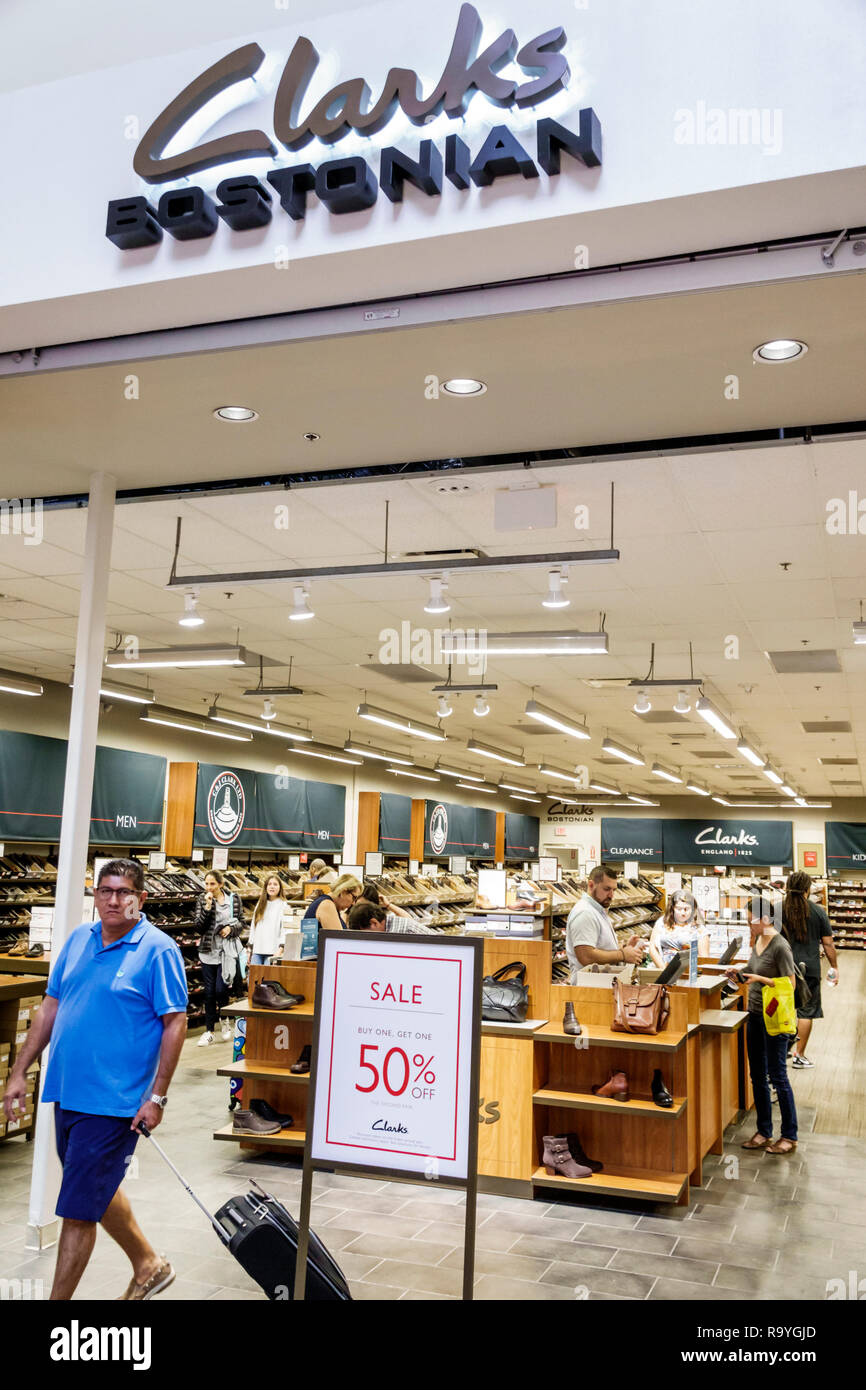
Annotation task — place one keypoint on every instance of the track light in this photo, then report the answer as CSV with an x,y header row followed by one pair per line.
x,y
443,707
301,610
500,755
481,707
667,773
401,722
714,717
555,597
683,704
642,704
437,602
750,754
543,715
268,710
191,617
620,750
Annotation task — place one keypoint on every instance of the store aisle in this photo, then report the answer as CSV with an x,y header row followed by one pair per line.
x,y
836,1084
762,1227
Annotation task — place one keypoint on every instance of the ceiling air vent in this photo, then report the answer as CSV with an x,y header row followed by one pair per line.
x,y
804,662
826,726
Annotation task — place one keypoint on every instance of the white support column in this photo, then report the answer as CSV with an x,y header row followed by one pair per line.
x,y
77,797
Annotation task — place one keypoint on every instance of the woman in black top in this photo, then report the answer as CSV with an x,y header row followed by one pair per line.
x,y
807,928
218,917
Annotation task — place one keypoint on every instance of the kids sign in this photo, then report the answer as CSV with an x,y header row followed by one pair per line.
x,y
396,1053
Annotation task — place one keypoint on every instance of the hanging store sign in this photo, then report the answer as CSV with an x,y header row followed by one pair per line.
x,y
255,810
632,837
454,829
846,845
714,841
521,835
395,814
348,184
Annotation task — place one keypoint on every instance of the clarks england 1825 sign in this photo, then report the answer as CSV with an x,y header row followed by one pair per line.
x,y
349,184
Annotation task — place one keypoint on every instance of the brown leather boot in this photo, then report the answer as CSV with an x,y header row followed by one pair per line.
x,y
614,1089
265,998
570,1023
557,1159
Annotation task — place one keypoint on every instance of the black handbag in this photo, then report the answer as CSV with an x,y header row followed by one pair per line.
x,y
802,992
505,1001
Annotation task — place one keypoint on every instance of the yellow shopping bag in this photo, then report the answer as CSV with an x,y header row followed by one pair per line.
x,y
780,1014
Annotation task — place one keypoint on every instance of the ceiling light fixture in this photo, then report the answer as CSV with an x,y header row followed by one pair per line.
x,y
133,695
516,787
858,632
481,707
683,704
698,788
236,414
218,715
620,750
780,350
459,645
444,708
17,685
380,754
642,704
500,755
547,770
543,715
555,597
714,717
191,616
721,800
605,787
401,722
437,602
464,386
750,754
518,796
301,610
180,657
788,791
667,773
772,775
641,800
269,710
478,787
155,714
452,772
329,754
418,776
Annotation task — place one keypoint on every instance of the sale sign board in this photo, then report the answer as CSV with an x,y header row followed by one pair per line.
x,y
398,1036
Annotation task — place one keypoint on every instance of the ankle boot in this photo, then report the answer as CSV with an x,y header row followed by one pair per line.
x,y
302,1065
616,1088
570,1023
576,1150
557,1159
661,1094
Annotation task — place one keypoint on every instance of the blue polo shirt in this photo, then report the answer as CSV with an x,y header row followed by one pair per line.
x,y
108,1029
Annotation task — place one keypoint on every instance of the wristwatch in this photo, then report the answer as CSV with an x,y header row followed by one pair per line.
x,y
161,1101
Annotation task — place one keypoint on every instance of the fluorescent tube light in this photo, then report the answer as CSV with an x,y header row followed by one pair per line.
x,y
641,800
154,714
605,787
750,754
256,726
773,776
547,770
658,770
555,721
380,754
519,796
788,791
698,788
721,800
17,685
477,787
500,755
858,632
401,722
331,755
516,787
177,656
457,644
418,776
134,695
714,717
619,750
452,772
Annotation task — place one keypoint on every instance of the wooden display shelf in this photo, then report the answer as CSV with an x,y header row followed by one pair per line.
x,y
526,1029
600,1035
580,1100
264,1071
627,1182
722,1020
285,1139
246,1010
27,965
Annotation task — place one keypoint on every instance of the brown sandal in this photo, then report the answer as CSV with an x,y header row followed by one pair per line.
x,y
782,1146
757,1141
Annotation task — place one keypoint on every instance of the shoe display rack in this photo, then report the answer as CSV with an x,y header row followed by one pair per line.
x,y
26,880
20,997
846,908
635,906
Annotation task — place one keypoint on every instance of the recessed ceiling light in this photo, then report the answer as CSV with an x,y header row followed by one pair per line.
x,y
437,602
311,437
555,597
464,386
236,414
543,715
780,350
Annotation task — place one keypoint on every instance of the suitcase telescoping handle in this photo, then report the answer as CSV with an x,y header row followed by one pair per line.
x,y
224,1235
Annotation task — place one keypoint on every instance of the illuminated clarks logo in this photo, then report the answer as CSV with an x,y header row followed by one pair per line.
x,y
225,808
349,185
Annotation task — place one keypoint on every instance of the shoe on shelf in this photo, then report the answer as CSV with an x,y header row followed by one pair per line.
x,y
577,1152
557,1159
264,997
205,1040
569,1022
267,1112
247,1122
226,1030
302,1065
283,993
615,1088
140,1293
661,1094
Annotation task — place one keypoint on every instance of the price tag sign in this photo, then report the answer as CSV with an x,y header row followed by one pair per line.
x,y
294,861
493,885
430,870
548,869
156,860
630,869
776,871
705,891
356,870
672,883
457,864
397,1047
414,866
373,864
220,857
198,856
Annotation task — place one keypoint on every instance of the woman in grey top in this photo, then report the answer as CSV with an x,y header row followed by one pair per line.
x,y
771,958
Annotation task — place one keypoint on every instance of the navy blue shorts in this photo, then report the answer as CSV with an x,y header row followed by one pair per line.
x,y
93,1151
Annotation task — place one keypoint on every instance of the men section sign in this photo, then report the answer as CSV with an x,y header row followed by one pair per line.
x,y
637,837
259,810
128,792
846,844
453,829
728,841
397,1045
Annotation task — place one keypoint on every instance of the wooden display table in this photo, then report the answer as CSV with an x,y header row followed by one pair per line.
x,y
20,996
34,965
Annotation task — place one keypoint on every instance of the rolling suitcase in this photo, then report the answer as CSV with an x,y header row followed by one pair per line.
x,y
263,1237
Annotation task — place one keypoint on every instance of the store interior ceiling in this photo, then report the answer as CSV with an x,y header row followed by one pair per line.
x,y
715,544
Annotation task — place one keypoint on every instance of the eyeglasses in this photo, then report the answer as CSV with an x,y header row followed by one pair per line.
x,y
123,893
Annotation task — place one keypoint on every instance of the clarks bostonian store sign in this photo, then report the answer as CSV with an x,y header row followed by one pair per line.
x,y
510,74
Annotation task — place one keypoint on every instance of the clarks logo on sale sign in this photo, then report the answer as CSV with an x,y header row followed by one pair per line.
x,y
349,184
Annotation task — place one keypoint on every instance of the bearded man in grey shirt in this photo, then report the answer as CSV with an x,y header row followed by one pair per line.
x,y
590,940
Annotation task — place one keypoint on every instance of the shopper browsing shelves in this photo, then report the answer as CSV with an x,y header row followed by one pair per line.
x,y
681,924
266,929
219,918
370,916
115,1014
328,908
807,928
320,872
590,940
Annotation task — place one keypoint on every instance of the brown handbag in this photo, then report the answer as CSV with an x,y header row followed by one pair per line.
x,y
639,1008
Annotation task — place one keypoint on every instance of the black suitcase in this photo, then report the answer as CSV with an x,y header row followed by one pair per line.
x,y
263,1237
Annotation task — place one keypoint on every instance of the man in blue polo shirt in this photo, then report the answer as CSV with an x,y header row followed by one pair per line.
x,y
115,1013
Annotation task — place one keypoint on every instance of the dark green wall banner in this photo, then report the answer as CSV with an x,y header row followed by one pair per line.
x,y
728,841
128,792
453,829
521,835
632,837
395,815
264,810
846,844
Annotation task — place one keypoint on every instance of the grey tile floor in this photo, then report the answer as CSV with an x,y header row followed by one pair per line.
x,y
761,1228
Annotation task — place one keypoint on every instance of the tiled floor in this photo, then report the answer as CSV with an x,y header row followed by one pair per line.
x,y
761,1228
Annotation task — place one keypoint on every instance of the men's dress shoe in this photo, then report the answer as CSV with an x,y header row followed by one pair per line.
x,y
265,998
303,1063
283,993
577,1152
570,1023
250,1123
267,1112
557,1159
616,1088
661,1094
